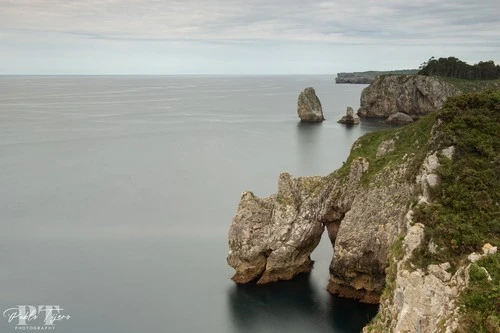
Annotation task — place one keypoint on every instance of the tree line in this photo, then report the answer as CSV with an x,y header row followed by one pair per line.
x,y
454,67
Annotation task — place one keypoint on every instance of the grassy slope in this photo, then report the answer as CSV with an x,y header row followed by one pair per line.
x,y
465,209
468,86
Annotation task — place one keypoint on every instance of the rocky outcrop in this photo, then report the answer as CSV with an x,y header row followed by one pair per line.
x,y
424,300
350,118
421,301
399,118
367,208
272,238
413,95
309,107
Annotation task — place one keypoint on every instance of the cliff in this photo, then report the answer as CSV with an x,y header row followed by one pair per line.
x,y
368,76
403,214
413,95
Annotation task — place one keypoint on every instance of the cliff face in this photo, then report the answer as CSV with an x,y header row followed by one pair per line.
x,y
362,206
271,239
368,76
403,215
414,95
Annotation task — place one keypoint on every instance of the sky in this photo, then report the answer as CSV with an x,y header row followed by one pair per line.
x,y
57,37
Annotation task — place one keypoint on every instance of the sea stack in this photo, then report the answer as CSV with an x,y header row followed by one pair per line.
x,y
350,118
309,107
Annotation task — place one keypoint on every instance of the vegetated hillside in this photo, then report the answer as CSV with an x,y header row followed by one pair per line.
x,y
458,216
468,86
464,213
454,67
465,210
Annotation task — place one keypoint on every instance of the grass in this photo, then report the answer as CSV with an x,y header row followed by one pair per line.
x,y
464,213
468,86
411,145
481,301
465,209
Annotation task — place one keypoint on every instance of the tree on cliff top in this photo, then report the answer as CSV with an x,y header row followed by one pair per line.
x,y
454,67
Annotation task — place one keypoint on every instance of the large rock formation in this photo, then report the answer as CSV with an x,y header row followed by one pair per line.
x,y
309,107
414,95
350,118
272,238
367,208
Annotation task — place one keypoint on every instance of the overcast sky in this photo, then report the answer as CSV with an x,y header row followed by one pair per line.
x,y
241,37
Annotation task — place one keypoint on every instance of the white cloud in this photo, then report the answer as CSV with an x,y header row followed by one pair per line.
x,y
432,25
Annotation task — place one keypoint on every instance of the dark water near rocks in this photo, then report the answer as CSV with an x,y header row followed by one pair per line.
x,y
116,194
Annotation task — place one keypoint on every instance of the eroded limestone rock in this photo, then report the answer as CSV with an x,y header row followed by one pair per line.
x,y
399,118
271,239
350,117
385,147
309,107
415,95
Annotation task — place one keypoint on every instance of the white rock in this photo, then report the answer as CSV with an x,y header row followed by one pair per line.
x,y
489,249
473,257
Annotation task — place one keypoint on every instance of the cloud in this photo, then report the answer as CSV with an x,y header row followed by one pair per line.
x,y
316,21
436,26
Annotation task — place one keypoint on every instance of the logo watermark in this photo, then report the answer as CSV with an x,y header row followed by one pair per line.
x,y
35,318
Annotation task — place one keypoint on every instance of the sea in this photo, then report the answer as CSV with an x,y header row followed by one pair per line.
x,y
117,192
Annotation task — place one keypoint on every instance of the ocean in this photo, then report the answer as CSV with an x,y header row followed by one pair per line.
x,y
117,192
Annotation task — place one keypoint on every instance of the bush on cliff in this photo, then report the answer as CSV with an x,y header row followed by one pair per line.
x,y
465,209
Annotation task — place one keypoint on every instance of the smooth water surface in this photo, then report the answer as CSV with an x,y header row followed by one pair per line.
x,y
116,194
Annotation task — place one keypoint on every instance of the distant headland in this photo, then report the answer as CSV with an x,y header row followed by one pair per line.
x,y
369,76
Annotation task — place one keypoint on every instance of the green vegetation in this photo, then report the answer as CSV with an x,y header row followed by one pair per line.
x,y
465,209
464,212
411,144
468,86
481,300
453,67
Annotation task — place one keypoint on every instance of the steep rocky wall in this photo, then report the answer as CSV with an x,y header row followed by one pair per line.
x,y
382,251
414,95
272,238
366,207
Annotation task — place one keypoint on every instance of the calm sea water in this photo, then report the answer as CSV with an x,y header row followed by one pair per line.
x,y
116,194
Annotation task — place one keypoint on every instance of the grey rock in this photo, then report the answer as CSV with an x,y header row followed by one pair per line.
x,y
385,147
309,107
489,249
439,272
415,95
271,239
350,118
399,118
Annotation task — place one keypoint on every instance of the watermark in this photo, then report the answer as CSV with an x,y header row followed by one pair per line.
x,y
35,318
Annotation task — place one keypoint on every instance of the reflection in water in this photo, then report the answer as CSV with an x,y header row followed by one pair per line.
x,y
294,306
349,315
308,135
